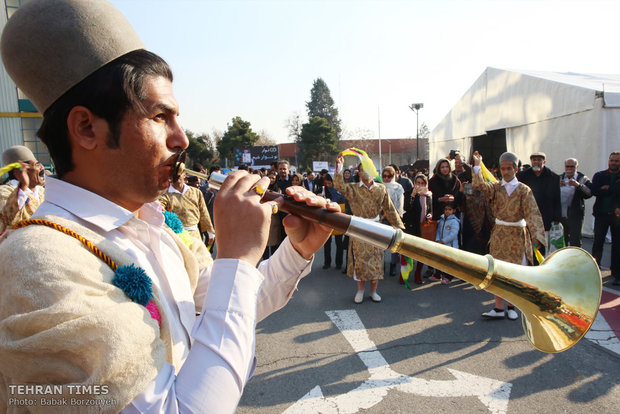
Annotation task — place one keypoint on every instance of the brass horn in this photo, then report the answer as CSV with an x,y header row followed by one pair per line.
x,y
558,300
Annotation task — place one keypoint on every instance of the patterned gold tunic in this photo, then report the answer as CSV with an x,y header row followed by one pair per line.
x,y
509,243
364,260
191,209
10,213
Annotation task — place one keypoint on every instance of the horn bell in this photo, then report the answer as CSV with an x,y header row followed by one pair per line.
x,y
559,299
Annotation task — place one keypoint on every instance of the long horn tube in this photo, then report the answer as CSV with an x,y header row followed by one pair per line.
x,y
559,299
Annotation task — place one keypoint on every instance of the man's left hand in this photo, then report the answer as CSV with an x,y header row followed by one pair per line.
x,y
305,236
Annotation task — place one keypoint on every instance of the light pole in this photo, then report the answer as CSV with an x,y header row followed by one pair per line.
x,y
416,108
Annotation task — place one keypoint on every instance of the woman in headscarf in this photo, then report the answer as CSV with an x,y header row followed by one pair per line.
x,y
396,193
419,209
446,188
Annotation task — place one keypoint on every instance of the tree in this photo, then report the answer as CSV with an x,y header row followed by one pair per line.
x,y
293,124
424,133
321,104
317,140
200,149
265,139
238,135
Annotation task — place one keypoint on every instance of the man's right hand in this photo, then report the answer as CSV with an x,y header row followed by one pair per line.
x,y
340,159
242,222
477,158
21,175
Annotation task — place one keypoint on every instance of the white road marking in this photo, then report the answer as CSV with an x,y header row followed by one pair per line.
x,y
601,333
492,393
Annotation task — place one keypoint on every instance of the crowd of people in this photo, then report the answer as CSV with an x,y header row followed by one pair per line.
x,y
462,213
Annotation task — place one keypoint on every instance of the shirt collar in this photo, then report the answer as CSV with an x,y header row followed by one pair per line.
x,y
512,183
171,189
95,209
372,184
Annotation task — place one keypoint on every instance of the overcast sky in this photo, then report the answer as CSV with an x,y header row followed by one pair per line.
x,y
257,59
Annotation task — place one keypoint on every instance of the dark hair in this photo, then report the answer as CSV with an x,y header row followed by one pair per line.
x,y
328,177
108,92
396,169
198,167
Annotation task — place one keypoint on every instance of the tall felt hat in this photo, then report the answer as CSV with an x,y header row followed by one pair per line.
x,y
17,153
49,46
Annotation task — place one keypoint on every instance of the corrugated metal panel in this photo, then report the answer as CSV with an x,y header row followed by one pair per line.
x,y
10,128
10,133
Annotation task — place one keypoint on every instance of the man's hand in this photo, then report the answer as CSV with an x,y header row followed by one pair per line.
x,y
340,159
21,175
305,236
477,158
242,222
574,183
446,198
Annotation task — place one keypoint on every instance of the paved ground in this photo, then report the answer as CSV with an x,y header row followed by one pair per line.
x,y
423,350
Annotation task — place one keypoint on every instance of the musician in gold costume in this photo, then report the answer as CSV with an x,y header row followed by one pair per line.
x,y
367,199
518,223
23,193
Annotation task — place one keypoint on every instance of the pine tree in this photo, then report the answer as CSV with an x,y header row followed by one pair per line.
x,y
321,104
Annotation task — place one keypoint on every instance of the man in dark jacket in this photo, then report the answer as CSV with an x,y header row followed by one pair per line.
x,y
545,185
284,179
603,185
574,188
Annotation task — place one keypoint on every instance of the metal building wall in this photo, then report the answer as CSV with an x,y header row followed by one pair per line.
x,y
10,128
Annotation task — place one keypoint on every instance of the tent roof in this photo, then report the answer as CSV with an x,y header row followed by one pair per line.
x,y
507,98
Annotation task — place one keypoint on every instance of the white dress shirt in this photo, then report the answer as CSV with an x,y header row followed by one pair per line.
x,y
232,295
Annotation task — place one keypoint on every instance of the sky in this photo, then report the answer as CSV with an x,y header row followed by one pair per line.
x,y
258,59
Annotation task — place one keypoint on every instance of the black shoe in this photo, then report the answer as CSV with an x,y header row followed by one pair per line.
x,y
338,267
344,271
326,266
392,269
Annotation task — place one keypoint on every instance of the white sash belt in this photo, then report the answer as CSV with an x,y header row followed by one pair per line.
x,y
191,228
520,223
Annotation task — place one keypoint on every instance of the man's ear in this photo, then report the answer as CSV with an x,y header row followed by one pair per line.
x,y
86,129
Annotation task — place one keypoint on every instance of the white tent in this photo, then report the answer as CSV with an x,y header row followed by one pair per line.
x,y
562,114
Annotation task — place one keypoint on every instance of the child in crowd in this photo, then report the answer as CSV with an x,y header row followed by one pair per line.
x,y
448,234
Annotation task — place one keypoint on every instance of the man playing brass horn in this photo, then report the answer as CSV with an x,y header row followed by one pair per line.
x,y
515,211
99,291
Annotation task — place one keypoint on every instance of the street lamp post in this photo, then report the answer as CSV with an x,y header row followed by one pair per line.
x,y
416,108
390,146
